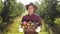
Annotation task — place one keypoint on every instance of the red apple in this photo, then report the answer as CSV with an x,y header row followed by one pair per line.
x,y
24,23
28,23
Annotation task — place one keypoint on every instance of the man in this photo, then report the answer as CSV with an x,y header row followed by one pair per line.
x,y
31,16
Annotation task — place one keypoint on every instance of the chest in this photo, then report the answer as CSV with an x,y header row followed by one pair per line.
x,y
31,18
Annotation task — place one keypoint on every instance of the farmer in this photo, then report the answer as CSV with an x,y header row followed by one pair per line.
x,y
31,16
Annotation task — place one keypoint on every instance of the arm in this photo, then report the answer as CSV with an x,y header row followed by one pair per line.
x,y
39,25
23,19
40,22
20,27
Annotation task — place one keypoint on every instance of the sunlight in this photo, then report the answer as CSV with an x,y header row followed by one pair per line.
x,y
28,1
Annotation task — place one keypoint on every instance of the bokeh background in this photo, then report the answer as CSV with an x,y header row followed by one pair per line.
x,y
12,11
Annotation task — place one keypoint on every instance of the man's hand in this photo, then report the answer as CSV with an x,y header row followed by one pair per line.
x,y
38,29
20,29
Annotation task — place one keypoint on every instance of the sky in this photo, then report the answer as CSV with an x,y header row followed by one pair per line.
x,y
27,1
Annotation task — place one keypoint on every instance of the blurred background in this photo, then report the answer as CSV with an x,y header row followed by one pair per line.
x,y
12,11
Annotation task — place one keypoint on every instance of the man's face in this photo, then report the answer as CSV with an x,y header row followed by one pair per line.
x,y
31,9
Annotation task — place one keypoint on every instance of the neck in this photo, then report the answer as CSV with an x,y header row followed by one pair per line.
x,y
30,14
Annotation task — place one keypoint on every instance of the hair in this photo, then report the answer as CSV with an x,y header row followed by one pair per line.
x,y
31,4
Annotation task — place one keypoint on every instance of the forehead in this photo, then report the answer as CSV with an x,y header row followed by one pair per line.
x,y
31,6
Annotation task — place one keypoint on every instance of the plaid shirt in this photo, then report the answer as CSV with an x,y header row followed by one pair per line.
x,y
33,18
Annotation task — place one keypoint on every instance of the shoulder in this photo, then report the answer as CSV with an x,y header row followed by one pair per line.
x,y
25,16
37,15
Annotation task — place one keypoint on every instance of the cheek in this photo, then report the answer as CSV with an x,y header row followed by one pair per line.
x,y
32,9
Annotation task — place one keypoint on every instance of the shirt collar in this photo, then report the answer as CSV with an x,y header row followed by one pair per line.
x,y
30,15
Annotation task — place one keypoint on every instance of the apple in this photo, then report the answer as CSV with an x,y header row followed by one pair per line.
x,y
24,23
23,27
28,23
32,23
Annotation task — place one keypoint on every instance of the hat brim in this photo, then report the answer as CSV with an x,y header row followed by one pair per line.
x,y
27,6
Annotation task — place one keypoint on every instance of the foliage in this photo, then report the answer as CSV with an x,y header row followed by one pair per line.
x,y
49,11
8,11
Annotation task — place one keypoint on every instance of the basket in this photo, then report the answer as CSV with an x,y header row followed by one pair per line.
x,y
29,26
